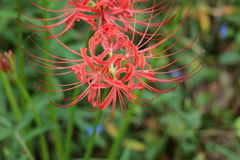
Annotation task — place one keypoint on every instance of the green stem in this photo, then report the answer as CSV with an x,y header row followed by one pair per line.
x,y
91,140
10,96
69,132
72,115
178,16
20,41
20,61
27,97
24,146
56,132
114,149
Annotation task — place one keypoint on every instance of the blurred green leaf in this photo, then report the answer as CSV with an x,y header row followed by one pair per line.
x,y
135,145
157,146
92,159
203,98
193,119
126,154
229,58
237,126
26,119
6,15
174,125
39,130
5,122
237,37
226,152
100,141
234,18
39,103
24,157
6,133
2,100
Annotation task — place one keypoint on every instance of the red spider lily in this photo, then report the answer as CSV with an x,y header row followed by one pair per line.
x,y
121,67
5,61
107,11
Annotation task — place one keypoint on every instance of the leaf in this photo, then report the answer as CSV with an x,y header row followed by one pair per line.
x,y
7,13
39,104
12,151
229,58
4,121
126,154
156,146
6,16
26,119
6,133
226,152
237,37
135,145
237,126
111,129
92,159
39,130
2,100
24,157
204,21
203,98
233,18
100,141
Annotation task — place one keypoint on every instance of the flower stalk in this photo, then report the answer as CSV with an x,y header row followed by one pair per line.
x,y
91,140
20,40
10,95
72,115
27,97
6,67
56,132
90,144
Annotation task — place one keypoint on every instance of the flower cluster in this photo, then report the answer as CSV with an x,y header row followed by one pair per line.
x,y
121,66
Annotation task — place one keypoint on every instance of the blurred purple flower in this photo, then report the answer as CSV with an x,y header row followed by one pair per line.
x,y
176,73
89,130
223,31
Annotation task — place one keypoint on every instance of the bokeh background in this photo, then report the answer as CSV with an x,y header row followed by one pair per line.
x,y
197,121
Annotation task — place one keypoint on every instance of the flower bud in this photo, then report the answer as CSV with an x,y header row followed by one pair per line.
x,y
5,61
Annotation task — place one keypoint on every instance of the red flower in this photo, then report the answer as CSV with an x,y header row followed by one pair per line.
x,y
113,62
121,67
108,11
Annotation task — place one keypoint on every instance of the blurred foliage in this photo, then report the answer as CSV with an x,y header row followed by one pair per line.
x,y
197,121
